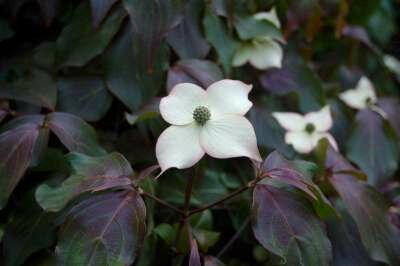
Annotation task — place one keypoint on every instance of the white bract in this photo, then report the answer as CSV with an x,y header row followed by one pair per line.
x,y
206,121
392,63
262,52
305,131
362,96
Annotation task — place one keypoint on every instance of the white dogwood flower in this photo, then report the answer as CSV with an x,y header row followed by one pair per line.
x,y
305,131
362,96
206,121
262,52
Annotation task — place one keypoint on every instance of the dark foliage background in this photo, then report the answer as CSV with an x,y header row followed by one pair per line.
x,y
80,84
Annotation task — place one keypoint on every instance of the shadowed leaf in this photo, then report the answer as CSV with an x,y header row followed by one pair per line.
x,y
200,72
79,42
151,21
369,210
37,87
100,9
127,78
86,97
186,39
74,133
105,229
373,147
30,230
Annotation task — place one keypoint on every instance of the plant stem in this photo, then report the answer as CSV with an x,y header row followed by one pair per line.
x,y
227,197
186,205
234,237
160,201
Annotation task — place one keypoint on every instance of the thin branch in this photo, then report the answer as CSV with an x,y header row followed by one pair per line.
x,y
229,196
234,237
164,203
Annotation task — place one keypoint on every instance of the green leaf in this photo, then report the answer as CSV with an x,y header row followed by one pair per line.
x,y
186,39
151,21
361,11
86,97
127,78
29,230
100,8
369,210
5,30
201,72
36,87
206,239
166,232
373,147
74,133
90,174
249,28
79,42
286,226
16,149
217,34
105,229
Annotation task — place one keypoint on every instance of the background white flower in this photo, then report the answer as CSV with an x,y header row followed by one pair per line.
x,y
362,96
262,52
304,131
206,121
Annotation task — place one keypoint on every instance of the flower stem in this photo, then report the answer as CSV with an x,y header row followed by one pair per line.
x,y
160,201
227,197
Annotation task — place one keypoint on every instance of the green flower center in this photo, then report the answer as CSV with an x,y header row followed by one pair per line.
x,y
368,101
201,115
310,128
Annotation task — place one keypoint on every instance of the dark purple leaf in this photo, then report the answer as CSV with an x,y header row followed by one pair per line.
x,y
37,87
346,242
100,9
3,114
108,228
151,21
74,133
194,259
373,147
295,76
16,148
78,43
212,261
360,34
370,212
90,174
286,226
201,72
186,39
86,97
294,173
391,106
